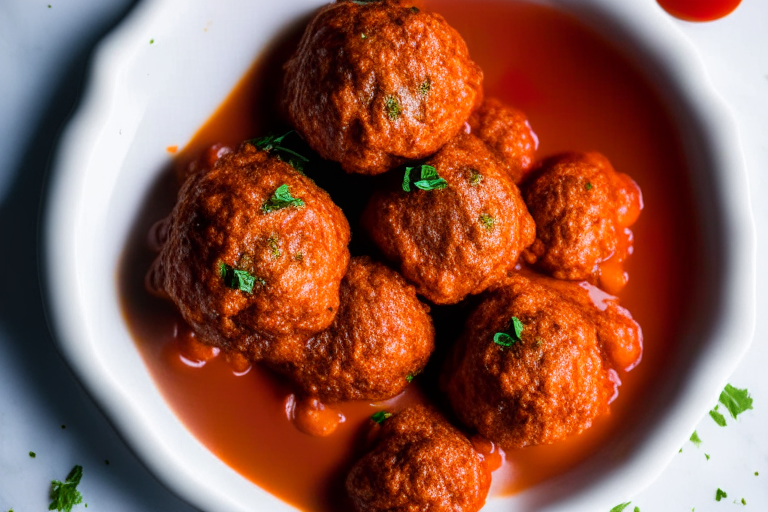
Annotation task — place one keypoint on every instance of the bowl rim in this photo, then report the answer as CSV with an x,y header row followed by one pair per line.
x,y
645,22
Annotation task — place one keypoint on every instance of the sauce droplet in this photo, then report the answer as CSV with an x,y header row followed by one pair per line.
x,y
312,417
699,10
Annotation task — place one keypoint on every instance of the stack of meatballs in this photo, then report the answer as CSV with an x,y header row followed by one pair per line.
x,y
255,256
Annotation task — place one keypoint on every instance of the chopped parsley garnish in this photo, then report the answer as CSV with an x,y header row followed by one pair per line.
x,y
695,439
719,418
393,108
274,246
409,378
637,509
299,256
514,334
720,494
238,279
32,454
363,36
425,87
619,508
756,473
707,456
430,180
281,199
475,177
65,495
588,186
274,142
415,10
735,400
487,221
743,501
151,41
380,417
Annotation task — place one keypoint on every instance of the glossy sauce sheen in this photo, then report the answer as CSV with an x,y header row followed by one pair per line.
x,y
699,10
579,94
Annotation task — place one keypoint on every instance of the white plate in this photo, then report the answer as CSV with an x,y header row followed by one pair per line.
x,y
142,97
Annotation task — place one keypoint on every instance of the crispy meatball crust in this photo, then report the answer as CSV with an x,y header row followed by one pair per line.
x,y
583,209
553,382
421,464
298,254
374,84
459,240
509,135
381,335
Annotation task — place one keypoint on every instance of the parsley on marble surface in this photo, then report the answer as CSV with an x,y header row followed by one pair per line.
x,y
64,495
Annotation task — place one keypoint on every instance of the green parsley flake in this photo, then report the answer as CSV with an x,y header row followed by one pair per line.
x,y
743,501
237,279
380,417
393,108
507,339
151,41
487,221
270,143
695,439
430,180
415,10
409,378
299,256
637,509
475,177
425,87
619,508
720,494
707,456
719,418
756,473
65,495
274,246
588,186
281,199
32,454
735,400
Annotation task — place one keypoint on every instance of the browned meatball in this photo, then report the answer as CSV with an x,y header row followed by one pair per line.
x,y
255,252
583,209
382,336
457,240
374,84
534,364
509,135
421,464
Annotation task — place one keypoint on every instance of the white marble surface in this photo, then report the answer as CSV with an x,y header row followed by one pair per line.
x,y
43,54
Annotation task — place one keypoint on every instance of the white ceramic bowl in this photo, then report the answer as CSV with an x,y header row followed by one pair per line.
x,y
141,98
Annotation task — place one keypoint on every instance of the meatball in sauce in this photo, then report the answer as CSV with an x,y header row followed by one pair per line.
x,y
583,209
375,84
508,134
536,361
420,463
380,339
254,254
461,236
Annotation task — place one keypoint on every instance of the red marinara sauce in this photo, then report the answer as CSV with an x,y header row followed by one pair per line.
x,y
579,94
699,10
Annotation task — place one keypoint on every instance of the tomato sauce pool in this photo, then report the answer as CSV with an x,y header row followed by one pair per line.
x,y
579,94
699,10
